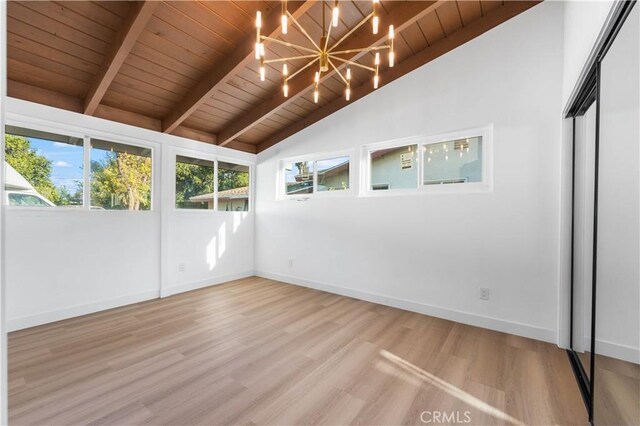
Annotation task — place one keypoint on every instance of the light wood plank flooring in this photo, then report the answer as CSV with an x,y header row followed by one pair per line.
x,y
256,351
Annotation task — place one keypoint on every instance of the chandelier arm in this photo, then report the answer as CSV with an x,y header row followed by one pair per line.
x,y
303,68
338,72
355,64
303,31
364,49
290,58
286,43
344,37
326,42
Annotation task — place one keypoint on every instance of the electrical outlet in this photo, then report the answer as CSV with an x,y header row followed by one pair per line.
x,y
290,263
484,293
181,267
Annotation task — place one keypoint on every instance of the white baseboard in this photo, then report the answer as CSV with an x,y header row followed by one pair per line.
x,y
511,327
14,324
615,350
181,288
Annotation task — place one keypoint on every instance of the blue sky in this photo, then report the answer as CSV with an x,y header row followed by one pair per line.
x,y
66,161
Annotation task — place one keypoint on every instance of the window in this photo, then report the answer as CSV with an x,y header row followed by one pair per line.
x,y
120,176
194,183
233,187
394,168
43,169
454,161
333,174
324,175
299,178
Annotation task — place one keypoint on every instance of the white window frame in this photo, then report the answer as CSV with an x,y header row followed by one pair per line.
x,y
86,135
486,185
282,193
199,155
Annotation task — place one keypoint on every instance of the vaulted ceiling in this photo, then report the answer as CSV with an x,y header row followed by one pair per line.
x,y
188,67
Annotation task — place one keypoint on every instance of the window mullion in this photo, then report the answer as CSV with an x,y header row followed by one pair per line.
x,y
215,185
86,179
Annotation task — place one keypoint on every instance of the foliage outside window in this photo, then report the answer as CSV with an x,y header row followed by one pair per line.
x,y
43,169
194,183
454,161
120,176
394,168
233,187
315,176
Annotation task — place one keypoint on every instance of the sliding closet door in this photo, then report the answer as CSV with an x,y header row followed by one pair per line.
x,y
617,362
585,137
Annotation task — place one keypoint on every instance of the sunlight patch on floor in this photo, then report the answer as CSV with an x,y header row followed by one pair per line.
x,y
449,388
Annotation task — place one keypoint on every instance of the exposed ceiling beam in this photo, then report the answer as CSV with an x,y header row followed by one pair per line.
x,y
401,16
469,32
18,90
234,63
125,38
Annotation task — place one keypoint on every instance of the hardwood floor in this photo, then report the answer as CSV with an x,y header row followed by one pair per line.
x,y
256,351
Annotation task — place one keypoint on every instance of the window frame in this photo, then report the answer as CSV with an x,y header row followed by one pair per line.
x,y
199,155
86,135
349,192
486,185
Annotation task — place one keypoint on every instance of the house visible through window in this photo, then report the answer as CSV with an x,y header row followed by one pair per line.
x,y
454,161
43,169
194,183
120,176
394,168
328,174
333,174
233,187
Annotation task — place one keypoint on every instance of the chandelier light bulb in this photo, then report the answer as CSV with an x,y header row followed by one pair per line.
x,y
377,60
376,81
347,93
285,23
376,23
348,74
317,78
257,50
258,19
285,70
285,89
391,32
392,59
335,14
263,71
316,95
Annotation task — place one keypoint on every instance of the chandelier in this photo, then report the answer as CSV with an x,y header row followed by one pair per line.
x,y
320,52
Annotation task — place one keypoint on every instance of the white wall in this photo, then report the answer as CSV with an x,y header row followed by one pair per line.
x,y
432,253
63,263
583,24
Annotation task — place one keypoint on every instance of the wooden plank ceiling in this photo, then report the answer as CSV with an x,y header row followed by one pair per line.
x,y
188,68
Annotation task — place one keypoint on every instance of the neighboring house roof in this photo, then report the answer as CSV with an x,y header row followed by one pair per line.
x,y
327,172
14,180
234,193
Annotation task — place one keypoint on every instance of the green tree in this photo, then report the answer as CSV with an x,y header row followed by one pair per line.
x,y
229,179
121,181
191,180
35,168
